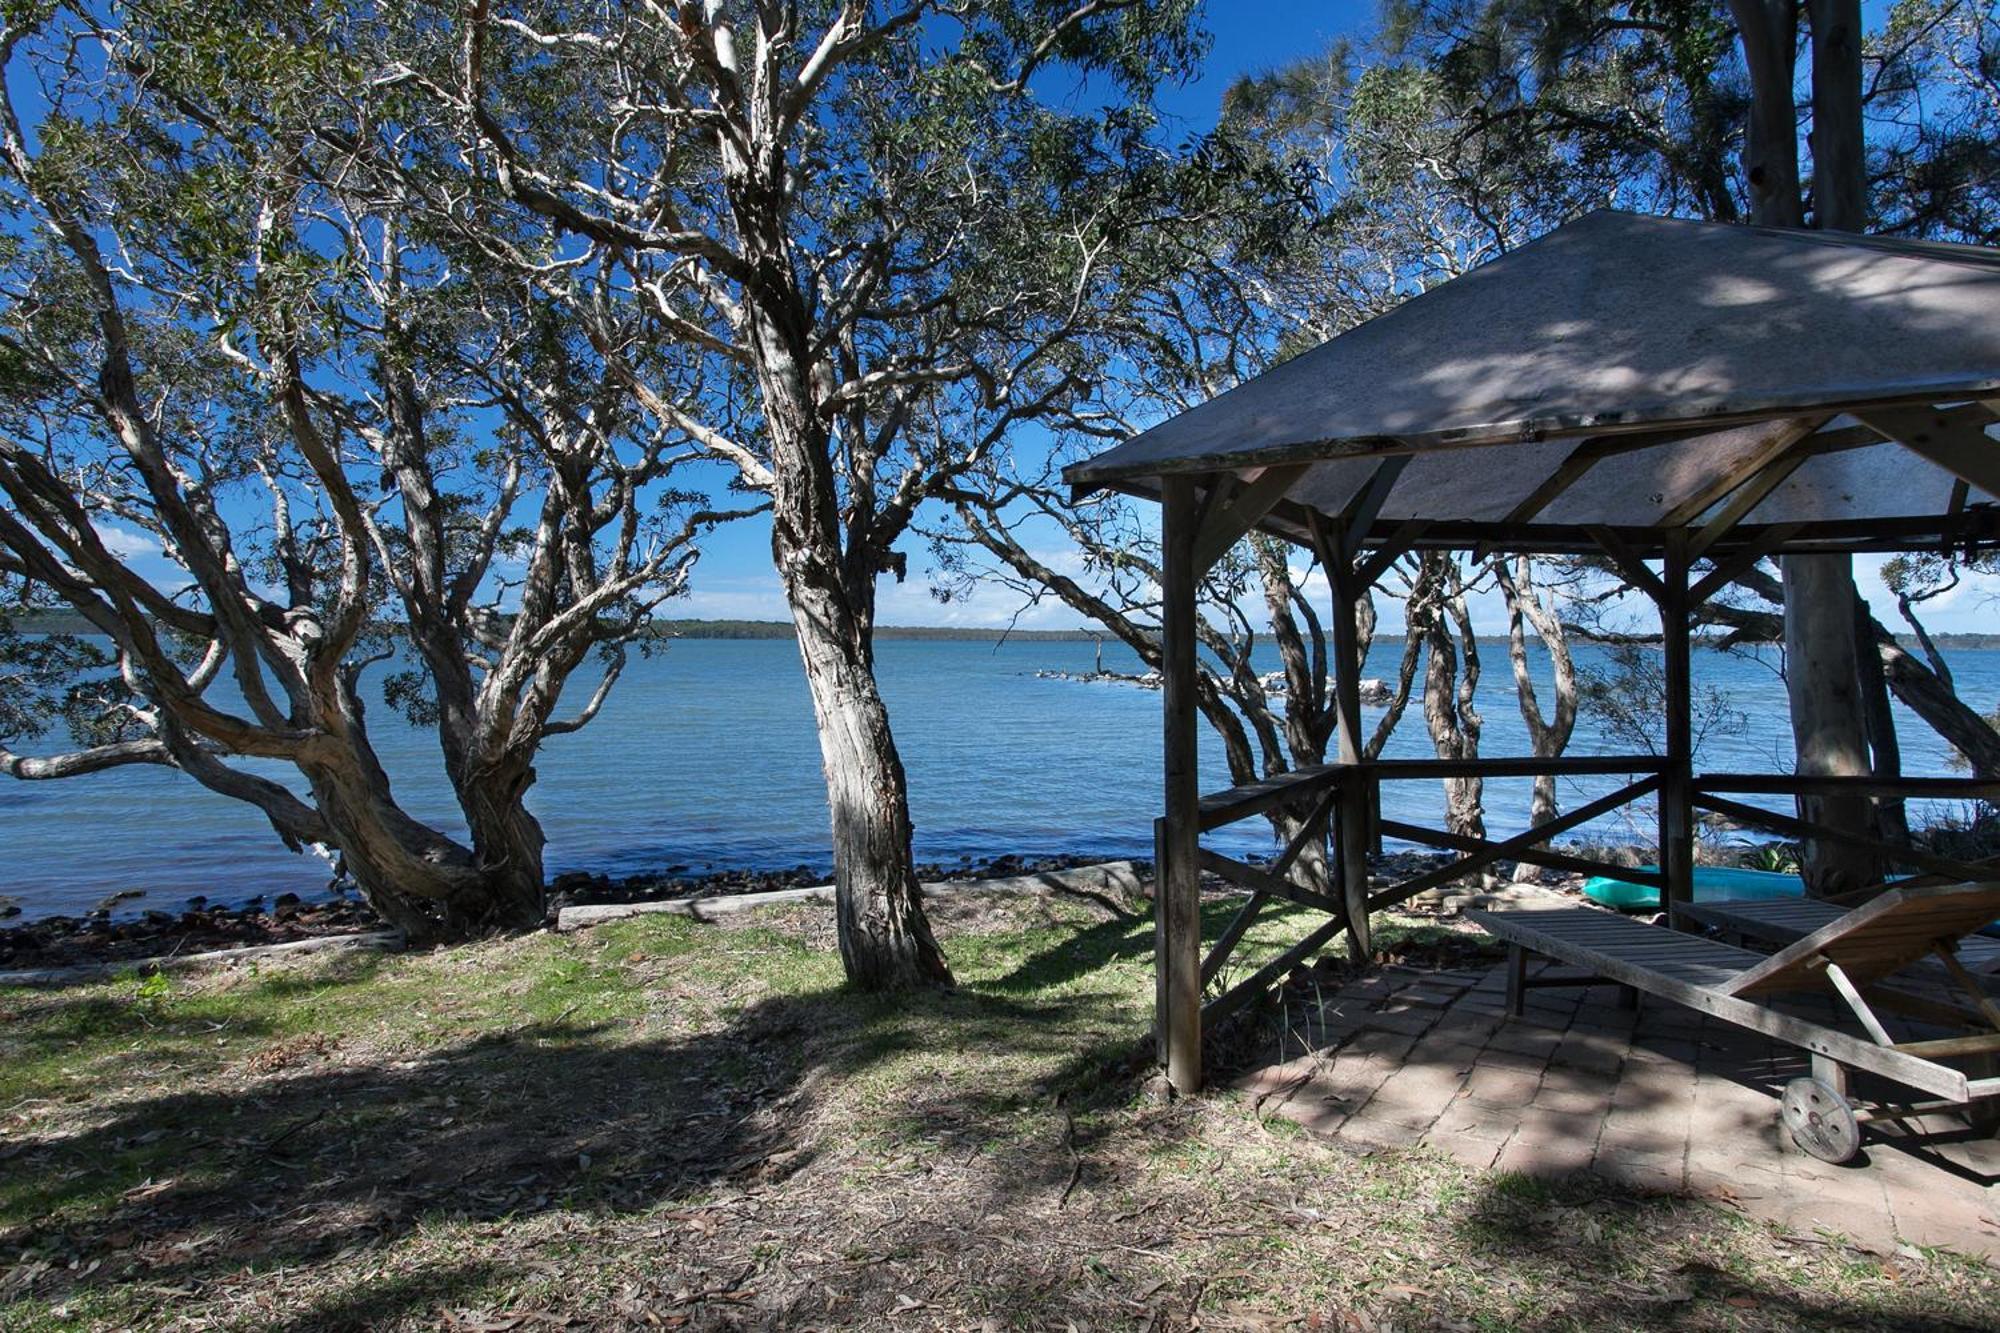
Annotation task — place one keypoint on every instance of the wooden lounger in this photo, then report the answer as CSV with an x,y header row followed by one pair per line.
x,y
1780,921
1848,956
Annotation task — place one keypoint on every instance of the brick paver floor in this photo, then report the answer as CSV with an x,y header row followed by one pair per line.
x,y
1660,1098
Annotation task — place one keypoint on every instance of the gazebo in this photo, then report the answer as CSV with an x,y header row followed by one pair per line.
x,y
1683,398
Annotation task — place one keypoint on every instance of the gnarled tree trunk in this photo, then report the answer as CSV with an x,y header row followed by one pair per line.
x,y
1549,734
421,882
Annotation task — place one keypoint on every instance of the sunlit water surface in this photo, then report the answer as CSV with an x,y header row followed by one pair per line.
x,y
705,757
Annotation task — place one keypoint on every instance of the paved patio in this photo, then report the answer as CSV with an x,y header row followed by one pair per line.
x,y
1660,1099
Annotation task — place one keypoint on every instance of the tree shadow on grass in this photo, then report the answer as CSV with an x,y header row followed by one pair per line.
x,y
190,1185
1124,937
47,1022
1597,1249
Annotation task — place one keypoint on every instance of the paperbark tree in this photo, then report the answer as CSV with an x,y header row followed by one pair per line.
x,y
1548,733
890,248
1822,671
1925,690
1436,610
254,433
1389,198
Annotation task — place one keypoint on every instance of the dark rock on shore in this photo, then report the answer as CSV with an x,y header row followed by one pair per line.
x,y
68,941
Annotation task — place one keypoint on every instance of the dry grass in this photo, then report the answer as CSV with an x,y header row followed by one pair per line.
x,y
665,1124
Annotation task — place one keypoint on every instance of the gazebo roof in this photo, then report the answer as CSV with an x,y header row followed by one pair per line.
x,y
1633,373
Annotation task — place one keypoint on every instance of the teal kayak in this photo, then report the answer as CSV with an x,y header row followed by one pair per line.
x,y
1711,884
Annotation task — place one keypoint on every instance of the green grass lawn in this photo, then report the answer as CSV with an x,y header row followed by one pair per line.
x,y
662,1123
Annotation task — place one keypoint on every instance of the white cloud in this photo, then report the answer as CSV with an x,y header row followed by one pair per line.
x,y
128,543
729,597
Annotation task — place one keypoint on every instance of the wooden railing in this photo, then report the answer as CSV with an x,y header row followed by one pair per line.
x,y
1314,792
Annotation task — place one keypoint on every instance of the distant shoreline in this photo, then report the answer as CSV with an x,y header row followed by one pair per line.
x,y
67,622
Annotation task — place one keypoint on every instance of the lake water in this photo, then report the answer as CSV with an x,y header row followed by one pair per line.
x,y
705,757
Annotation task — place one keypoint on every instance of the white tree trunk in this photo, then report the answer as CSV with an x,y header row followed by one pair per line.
x,y
885,943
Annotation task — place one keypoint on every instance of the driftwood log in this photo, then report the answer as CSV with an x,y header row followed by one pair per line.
x,y
1120,877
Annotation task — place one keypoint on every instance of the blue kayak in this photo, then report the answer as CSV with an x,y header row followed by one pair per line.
x,y
1711,884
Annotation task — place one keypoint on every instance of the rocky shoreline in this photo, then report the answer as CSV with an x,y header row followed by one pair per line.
x,y
99,937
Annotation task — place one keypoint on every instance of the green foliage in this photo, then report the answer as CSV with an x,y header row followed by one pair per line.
x,y
1646,99
1780,858
1625,693
151,992
51,679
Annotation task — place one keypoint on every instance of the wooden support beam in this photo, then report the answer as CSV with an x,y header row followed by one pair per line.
x,y
1850,993
1366,506
1737,562
1399,543
1525,766
1228,519
1953,438
1740,504
1570,471
1266,976
1162,854
1533,855
1495,851
1676,812
1779,438
1232,935
1579,462
1177,876
1254,798
1800,784
1627,561
1312,830
1941,1048
1954,516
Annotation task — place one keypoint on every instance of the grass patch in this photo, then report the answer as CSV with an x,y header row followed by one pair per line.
x,y
664,1123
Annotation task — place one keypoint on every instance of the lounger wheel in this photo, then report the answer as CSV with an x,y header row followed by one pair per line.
x,y
1820,1120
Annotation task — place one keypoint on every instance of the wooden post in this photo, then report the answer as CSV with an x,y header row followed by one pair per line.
x,y
1677,781
1162,853
1177,877
1357,797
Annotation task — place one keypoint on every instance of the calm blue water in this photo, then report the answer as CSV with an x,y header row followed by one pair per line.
x,y
705,757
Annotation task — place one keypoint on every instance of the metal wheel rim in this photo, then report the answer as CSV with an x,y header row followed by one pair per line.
x,y
1820,1120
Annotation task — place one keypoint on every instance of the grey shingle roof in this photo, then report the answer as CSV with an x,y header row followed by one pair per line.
x,y
1621,325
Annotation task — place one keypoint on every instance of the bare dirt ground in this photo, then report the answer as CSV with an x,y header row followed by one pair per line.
x,y
669,1124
